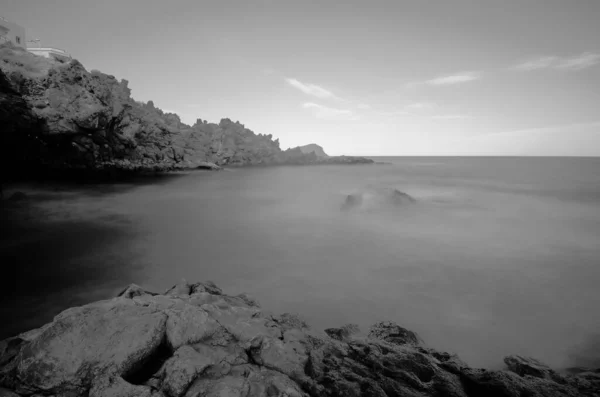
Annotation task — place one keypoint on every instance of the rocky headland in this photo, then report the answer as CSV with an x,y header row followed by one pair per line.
x,y
59,118
314,148
195,341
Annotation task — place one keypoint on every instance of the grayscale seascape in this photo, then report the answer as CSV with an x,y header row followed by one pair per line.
x,y
278,198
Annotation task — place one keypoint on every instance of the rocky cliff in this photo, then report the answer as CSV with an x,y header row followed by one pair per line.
x,y
59,116
195,341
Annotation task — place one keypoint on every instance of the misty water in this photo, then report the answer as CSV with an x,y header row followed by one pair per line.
x,y
499,255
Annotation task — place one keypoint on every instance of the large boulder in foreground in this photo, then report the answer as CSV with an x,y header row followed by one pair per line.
x,y
105,338
196,341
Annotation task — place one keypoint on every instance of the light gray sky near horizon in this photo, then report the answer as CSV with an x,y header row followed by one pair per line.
x,y
462,77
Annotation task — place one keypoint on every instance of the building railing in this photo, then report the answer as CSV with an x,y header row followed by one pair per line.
x,y
48,49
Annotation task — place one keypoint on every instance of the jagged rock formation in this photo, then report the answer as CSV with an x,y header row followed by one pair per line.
x,y
57,115
195,341
377,198
313,148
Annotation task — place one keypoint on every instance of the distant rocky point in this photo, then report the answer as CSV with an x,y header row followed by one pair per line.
x,y
58,117
196,341
313,148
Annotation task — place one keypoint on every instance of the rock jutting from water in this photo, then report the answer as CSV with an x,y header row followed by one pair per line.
x,y
59,118
377,198
195,341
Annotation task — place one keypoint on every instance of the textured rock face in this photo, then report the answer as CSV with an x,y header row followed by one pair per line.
x,y
195,341
112,336
529,366
59,116
393,333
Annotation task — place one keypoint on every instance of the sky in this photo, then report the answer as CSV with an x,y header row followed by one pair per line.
x,y
460,77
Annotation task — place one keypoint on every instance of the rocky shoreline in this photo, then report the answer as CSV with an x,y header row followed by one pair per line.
x,y
195,341
59,119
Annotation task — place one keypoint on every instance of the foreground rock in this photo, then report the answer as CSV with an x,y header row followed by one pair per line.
x,y
195,341
61,119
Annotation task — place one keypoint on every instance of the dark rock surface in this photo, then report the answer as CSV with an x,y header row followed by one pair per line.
x,y
195,341
393,333
58,116
530,366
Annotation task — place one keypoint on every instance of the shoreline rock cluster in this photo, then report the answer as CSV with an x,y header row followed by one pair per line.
x,y
196,341
57,117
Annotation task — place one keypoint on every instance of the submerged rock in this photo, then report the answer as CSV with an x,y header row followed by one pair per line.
x,y
377,198
196,341
17,196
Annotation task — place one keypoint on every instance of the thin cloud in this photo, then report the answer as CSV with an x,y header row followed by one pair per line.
x,y
363,106
412,109
311,89
393,113
328,113
575,63
459,78
583,61
549,129
540,63
451,117
268,71
420,106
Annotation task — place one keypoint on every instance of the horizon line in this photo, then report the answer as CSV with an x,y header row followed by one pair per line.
x,y
471,155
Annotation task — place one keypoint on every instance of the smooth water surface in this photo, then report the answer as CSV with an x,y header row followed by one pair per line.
x,y
499,256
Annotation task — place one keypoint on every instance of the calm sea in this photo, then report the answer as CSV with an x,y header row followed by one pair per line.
x,y
499,256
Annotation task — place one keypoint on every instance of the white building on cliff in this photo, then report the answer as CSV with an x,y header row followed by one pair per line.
x,y
13,33
16,34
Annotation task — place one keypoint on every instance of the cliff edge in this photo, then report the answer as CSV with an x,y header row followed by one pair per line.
x,y
58,116
194,341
